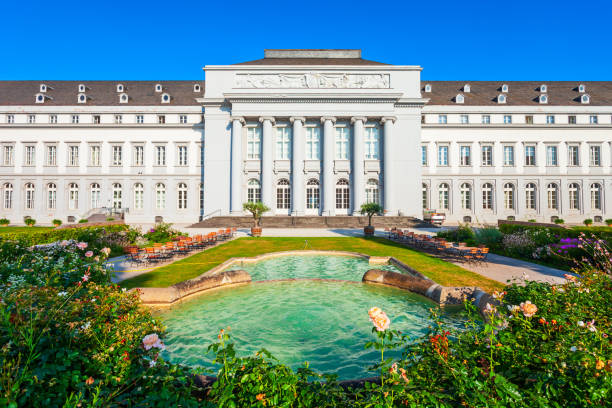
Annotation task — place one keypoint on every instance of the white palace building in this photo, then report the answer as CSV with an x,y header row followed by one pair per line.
x,y
308,132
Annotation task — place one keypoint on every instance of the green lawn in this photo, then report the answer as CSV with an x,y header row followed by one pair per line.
x,y
442,272
11,230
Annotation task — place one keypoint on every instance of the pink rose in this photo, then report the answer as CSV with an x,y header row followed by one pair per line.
x,y
82,245
106,251
379,319
152,340
88,254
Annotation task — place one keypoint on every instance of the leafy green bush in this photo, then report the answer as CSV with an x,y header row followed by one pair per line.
x,y
559,221
491,237
110,219
4,221
162,232
531,220
608,222
587,222
56,222
83,221
29,221
463,233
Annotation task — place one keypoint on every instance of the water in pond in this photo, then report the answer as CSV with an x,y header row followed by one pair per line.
x,y
322,322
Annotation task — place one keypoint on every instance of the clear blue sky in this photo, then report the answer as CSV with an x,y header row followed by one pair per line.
x,y
496,40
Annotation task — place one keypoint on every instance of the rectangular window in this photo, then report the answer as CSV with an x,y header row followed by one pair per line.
x,y
485,119
75,119
507,119
487,155
424,155
118,119
529,119
51,155
140,119
465,152
313,136
53,119
73,155
9,155
342,143
96,119
571,119
442,119
183,119
31,119
465,119
30,158
94,155
117,155
442,155
253,143
283,143
182,155
574,156
595,156
550,119
161,119
138,155
10,119
201,148
551,156
593,120
530,156
508,155
160,155
372,143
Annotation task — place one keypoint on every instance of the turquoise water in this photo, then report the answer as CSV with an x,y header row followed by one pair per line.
x,y
322,322
310,266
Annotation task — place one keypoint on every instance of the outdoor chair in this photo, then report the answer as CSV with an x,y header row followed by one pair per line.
x,y
134,256
152,256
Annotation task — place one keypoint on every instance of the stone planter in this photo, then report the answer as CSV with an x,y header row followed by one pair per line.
x,y
368,231
256,231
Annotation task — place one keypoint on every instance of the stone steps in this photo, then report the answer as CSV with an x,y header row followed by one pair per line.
x,y
284,221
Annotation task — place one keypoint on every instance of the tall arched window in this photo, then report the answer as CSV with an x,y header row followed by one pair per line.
x,y
372,192
29,196
51,196
342,194
530,196
8,196
95,198
138,196
283,194
182,196
509,196
466,196
487,196
253,191
443,191
117,196
73,196
595,196
312,194
574,196
160,196
425,190
552,194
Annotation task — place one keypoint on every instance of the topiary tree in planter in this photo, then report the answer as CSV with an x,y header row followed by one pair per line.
x,y
56,222
588,222
370,209
559,221
4,222
257,209
29,222
608,222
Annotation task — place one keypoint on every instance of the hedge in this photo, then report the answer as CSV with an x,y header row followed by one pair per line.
x,y
604,233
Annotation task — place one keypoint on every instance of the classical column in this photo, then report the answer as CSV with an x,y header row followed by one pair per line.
x,y
358,167
236,166
328,165
267,162
297,166
388,158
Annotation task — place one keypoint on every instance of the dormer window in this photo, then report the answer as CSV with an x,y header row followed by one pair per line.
x,y
585,98
123,98
428,88
82,88
543,99
501,98
82,98
158,88
581,88
459,98
165,98
120,88
543,88
196,88
43,88
504,88
466,88
40,98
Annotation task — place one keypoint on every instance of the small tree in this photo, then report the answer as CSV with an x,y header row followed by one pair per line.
x,y
257,209
4,221
56,222
30,222
608,222
370,209
559,221
588,222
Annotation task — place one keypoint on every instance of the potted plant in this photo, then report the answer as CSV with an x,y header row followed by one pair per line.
x,y
256,209
370,209
56,223
559,221
608,222
4,222
588,222
29,222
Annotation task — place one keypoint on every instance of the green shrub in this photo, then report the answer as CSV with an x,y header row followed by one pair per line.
x,y
491,237
4,221
463,233
531,220
83,221
162,232
559,221
29,221
110,219
587,222
56,222
608,222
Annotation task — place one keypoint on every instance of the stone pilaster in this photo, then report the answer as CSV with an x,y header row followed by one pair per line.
x,y
267,161
358,186
297,166
388,158
236,166
328,201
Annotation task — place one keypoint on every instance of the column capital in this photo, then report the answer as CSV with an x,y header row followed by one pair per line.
x,y
297,118
358,118
388,118
270,118
326,118
239,119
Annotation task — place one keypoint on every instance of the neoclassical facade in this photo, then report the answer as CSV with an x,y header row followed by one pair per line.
x,y
308,132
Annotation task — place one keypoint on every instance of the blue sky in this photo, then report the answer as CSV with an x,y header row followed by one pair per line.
x,y
495,40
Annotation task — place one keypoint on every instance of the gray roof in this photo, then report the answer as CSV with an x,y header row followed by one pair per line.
x,y
100,93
